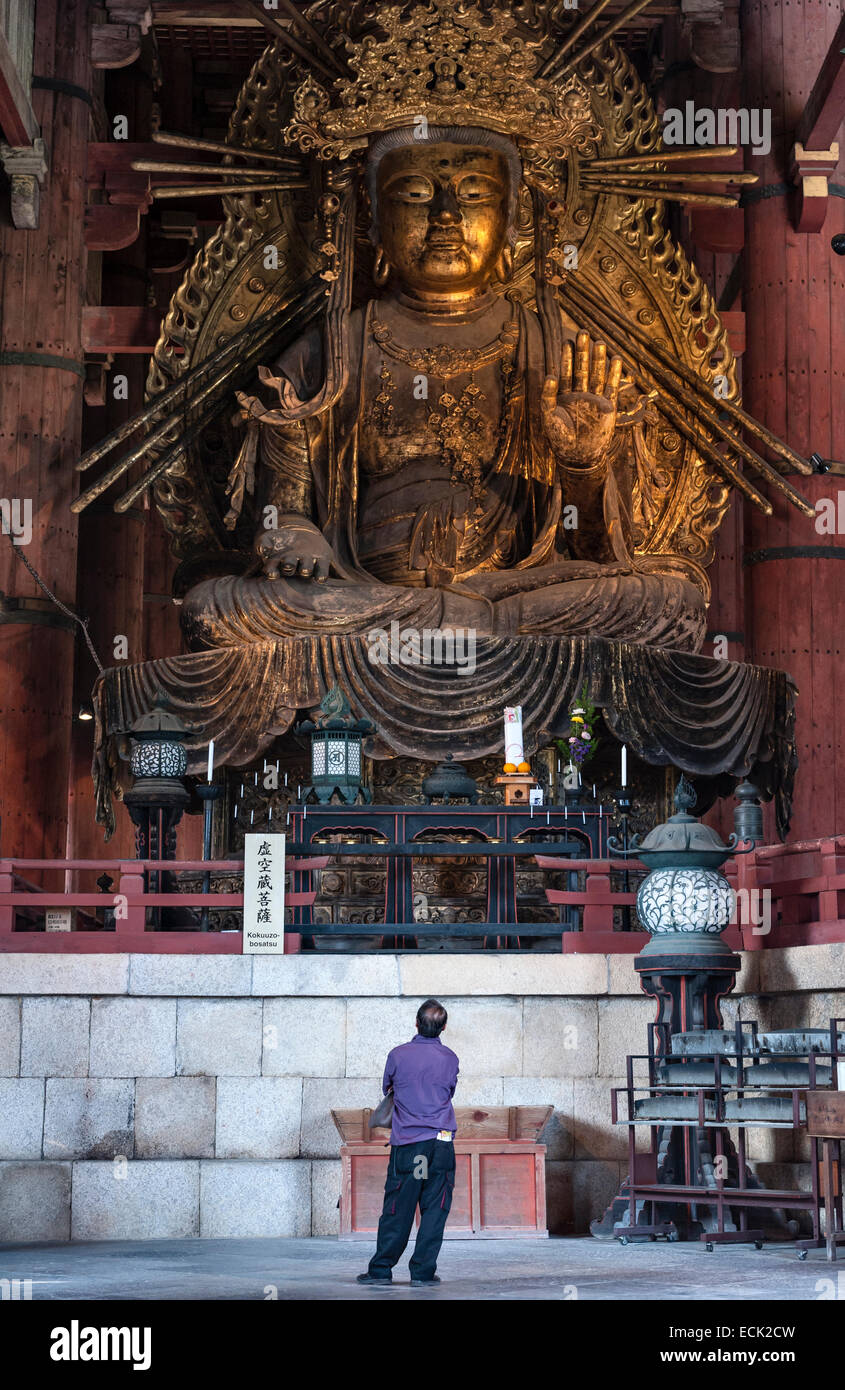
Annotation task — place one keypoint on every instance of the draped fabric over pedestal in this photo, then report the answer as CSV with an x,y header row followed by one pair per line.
x,y
716,720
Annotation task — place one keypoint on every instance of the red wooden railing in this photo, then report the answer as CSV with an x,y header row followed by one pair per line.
x,y
787,895
130,900
803,887
598,901
797,890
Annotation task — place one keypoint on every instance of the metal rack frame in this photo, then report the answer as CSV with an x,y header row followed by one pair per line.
x,y
643,1185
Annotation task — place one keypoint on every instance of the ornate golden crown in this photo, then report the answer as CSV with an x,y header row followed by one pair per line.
x,y
452,64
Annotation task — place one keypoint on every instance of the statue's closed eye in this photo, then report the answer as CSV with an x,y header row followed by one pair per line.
x,y
412,188
475,188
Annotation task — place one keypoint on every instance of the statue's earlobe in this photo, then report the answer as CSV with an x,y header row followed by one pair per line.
x,y
504,265
381,268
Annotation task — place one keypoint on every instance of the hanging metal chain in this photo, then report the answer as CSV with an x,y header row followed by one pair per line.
x,y
83,622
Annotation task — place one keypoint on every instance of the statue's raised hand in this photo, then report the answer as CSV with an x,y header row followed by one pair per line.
x,y
579,406
295,549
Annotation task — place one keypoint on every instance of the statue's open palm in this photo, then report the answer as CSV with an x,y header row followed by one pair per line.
x,y
579,407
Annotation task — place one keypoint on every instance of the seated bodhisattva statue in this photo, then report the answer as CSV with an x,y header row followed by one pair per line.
x,y
504,417
442,365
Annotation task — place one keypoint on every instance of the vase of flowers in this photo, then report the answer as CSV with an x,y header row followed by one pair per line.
x,y
579,744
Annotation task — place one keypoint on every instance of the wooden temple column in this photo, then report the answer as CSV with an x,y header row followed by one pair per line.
x,y
111,545
793,381
41,383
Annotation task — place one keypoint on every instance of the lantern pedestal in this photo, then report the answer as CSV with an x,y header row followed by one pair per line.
x,y
156,806
158,797
687,986
685,903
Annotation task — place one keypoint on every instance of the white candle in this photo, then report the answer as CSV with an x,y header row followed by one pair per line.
x,y
210,760
286,779
584,817
548,822
298,790
236,810
624,766
242,788
513,735
270,815
251,817
594,791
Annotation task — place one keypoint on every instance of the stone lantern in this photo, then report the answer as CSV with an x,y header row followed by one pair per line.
x,y
336,750
158,797
685,902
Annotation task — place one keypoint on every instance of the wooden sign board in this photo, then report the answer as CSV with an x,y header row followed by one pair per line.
x,y
59,918
264,895
826,1114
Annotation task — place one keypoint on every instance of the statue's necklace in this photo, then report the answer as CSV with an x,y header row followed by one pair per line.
x,y
447,362
457,423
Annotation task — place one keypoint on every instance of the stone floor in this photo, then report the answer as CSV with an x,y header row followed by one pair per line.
x,y
324,1268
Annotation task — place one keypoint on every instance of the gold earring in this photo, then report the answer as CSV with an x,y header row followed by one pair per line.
x,y
381,268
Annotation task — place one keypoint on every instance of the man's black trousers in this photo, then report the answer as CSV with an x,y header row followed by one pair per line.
x,y
419,1174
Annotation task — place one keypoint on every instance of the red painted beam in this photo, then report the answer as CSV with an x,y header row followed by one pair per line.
x,y
143,899
127,328
602,898
132,866
84,943
825,109
17,118
734,321
603,943
593,866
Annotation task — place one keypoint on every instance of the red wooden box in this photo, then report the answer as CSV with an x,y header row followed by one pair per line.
x,y
500,1179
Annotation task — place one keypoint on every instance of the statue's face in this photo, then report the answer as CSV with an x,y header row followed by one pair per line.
x,y
443,214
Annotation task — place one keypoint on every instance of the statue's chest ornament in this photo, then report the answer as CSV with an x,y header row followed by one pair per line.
x,y
457,421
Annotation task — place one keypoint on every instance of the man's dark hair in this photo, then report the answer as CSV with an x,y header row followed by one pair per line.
x,y
431,1018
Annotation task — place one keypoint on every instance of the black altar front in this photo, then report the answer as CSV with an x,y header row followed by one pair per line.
x,y
405,836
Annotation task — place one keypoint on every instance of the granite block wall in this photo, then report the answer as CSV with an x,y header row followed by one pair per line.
x,y
166,1096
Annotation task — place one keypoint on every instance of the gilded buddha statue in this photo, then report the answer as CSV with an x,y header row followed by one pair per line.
x,y
514,408
478,386
451,479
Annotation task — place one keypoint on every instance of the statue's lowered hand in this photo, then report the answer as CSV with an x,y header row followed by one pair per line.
x,y
295,549
580,406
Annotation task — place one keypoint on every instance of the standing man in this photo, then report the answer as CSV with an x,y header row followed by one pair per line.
x,y
423,1075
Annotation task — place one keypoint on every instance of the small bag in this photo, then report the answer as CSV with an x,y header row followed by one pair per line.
x,y
382,1116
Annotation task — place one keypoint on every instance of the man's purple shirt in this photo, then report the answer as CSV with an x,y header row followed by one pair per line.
x,y
423,1074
